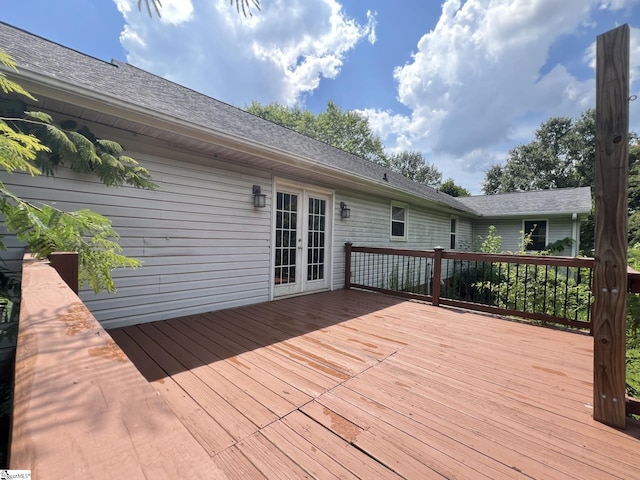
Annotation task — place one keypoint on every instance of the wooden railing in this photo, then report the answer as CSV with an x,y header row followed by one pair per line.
x,y
81,408
544,288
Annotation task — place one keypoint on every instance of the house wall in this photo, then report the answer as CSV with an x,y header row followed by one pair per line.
x,y
202,243
369,225
510,231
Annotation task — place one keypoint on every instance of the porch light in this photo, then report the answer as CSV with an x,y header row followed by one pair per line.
x,y
259,199
345,212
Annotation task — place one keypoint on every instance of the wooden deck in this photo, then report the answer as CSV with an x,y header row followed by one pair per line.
x,y
351,384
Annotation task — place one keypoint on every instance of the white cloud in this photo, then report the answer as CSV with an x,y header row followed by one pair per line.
x,y
279,55
481,71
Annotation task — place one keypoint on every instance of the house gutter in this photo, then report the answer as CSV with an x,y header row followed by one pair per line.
x,y
37,83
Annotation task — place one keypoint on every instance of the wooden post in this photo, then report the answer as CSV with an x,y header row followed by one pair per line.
x,y
611,191
347,265
66,264
437,273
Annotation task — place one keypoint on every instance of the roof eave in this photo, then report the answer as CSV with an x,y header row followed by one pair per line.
x,y
37,83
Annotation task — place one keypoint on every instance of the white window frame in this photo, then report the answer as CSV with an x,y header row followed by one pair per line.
x,y
546,233
405,222
453,232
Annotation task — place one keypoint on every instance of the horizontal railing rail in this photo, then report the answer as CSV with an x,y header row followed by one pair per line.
x,y
545,288
81,409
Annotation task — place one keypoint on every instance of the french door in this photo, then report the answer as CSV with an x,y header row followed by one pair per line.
x,y
301,244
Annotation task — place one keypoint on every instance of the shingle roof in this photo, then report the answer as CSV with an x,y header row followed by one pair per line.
x,y
555,201
125,83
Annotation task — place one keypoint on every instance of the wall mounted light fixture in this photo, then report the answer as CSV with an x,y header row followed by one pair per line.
x,y
345,212
259,198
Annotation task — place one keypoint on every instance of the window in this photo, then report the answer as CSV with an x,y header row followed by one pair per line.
x,y
398,222
537,229
454,226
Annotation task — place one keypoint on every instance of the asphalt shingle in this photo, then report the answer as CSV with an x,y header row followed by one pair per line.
x,y
558,201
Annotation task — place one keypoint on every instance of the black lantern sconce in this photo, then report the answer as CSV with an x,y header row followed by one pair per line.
x,y
345,212
259,198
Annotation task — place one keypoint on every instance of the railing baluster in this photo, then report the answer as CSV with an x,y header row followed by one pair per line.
x,y
502,284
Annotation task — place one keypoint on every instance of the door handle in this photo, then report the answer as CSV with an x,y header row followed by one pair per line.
x,y
300,243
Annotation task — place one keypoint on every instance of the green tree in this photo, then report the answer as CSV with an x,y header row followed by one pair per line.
x,y
413,165
634,193
450,188
30,142
343,129
561,155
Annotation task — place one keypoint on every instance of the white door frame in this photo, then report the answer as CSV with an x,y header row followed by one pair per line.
x,y
303,285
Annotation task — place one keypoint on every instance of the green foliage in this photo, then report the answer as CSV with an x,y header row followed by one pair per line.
x,y
557,247
561,155
46,230
492,243
350,131
406,276
9,86
450,188
634,192
413,165
346,130
552,291
633,372
75,147
540,289
29,140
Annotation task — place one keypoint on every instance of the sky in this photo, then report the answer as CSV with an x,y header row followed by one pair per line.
x,y
462,82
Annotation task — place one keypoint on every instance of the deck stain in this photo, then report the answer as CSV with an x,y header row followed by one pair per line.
x,y
366,344
342,426
551,370
235,361
315,365
77,319
110,351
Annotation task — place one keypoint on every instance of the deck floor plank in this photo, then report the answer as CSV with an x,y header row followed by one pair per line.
x,y
496,433
183,349
236,466
228,344
204,396
202,425
361,385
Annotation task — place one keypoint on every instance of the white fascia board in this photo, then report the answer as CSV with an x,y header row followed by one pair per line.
x,y
60,90
96,101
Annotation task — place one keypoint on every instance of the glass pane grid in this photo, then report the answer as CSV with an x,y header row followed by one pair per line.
x,y
286,234
316,239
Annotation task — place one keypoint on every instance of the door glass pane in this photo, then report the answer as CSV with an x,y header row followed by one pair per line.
x,y
315,239
286,234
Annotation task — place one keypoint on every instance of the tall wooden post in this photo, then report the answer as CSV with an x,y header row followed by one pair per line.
x,y
347,265
611,191
66,264
437,276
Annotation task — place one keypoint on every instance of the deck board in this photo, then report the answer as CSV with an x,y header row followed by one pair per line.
x,y
352,384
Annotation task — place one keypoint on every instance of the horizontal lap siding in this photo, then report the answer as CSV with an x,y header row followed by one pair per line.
x,y
465,235
511,231
369,225
202,243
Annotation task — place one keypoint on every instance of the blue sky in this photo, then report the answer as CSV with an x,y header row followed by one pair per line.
x,y
462,82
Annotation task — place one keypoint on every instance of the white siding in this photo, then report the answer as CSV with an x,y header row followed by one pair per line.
x,y
202,243
369,226
511,231
465,234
